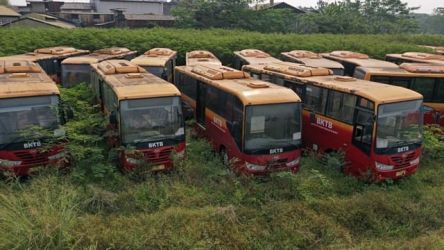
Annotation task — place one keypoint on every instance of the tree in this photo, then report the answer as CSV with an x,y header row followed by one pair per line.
x,y
4,2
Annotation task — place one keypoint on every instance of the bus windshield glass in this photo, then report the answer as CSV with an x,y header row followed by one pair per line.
x,y
399,124
17,115
153,119
273,126
73,74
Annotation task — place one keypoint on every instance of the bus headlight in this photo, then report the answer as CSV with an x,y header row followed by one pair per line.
x,y
57,156
415,161
383,167
254,167
7,163
294,162
134,161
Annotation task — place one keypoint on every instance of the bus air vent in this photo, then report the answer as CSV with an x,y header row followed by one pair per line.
x,y
254,53
118,67
257,85
55,50
112,51
304,54
345,79
207,72
422,68
424,56
134,75
200,54
19,75
21,67
348,54
159,52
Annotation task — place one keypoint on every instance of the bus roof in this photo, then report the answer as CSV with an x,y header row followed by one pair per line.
x,y
24,79
201,57
377,92
419,57
255,56
358,59
408,70
130,81
250,91
157,57
436,49
311,59
47,53
100,55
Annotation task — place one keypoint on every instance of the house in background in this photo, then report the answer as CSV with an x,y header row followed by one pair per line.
x,y
76,7
8,15
279,5
44,7
86,19
35,20
154,7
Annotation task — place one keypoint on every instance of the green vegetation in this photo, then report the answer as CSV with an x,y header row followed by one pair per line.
x,y
201,204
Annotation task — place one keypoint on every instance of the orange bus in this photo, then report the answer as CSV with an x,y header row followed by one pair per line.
x,y
254,125
415,57
49,59
426,79
201,57
77,69
145,114
159,62
312,59
29,99
252,56
377,126
350,60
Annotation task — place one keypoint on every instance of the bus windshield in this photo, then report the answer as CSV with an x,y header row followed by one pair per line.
x,y
399,124
273,126
153,119
20,114
73,74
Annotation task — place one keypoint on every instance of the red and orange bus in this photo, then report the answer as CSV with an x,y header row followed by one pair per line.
x,y
49,59
350,60
201,57
426,79
77,69
29,99
252,56
159,62
254,125
145,114
312,59
415,57
377,126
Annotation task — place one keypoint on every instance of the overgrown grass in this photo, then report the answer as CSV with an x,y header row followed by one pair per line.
x,y
201,204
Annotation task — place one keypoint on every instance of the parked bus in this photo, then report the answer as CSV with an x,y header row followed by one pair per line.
x,y
350,60
415,57
49,59
144,111
312,59
377,126
159,62
426,79
201,57
29,100
76,70
436,50
252,56
254,125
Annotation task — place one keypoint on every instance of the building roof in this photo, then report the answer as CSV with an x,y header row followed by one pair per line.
x,y
358,59
5,11
156,57
46,19
59,52
419,57
129,81
201,57
279,5
249,90
23,78
148,17
100,55
377,92
255,56
76,6
311,59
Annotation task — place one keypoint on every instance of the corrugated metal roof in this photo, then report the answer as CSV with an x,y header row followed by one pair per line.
x,y
148,17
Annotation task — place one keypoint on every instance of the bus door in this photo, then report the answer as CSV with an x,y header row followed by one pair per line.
x,y
200,104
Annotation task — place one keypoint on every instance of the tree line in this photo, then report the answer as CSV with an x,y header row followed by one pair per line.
x,y
342,17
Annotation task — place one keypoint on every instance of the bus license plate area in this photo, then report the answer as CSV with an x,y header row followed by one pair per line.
x,y
158,167
400,173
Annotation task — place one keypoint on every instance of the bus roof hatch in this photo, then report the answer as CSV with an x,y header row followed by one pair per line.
x,y
424,56
304,54
112,51
112,67
349,54
297,69
254,53
159,52
19,67
422,68
55,50
200,54
215,72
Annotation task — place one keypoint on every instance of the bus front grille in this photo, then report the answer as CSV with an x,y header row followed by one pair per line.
x,y
161,156
28,158
276,163
403,161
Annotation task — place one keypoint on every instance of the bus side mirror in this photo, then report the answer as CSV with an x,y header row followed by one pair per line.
x,y
113,118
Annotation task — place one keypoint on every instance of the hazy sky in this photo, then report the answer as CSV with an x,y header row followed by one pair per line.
x,y
427,6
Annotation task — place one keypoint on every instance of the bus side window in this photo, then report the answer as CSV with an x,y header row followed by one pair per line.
x,y
315,98
341,106
299,89
216,100
381,79
363,129
424,86
236,127
359,73
255,76
439,93
401,82
265,77
188,86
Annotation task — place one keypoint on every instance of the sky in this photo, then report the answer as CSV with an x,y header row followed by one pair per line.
x,y
427,6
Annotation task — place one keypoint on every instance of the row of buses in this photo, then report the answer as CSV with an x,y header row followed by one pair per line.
x,y
260,116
